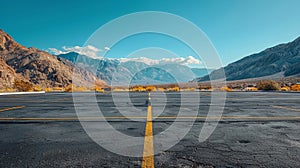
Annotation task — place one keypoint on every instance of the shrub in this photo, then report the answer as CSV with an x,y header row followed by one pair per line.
x,y
47,89
37,88
9,90
70,88
268,85
56,88
23,86
285,88
138,89
295,87
150,88
98,89
226,88
204,87
174,89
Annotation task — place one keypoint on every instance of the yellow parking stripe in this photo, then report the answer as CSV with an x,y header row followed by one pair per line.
x,y
71,118
11,108
148,154
150,123
287,108
40,119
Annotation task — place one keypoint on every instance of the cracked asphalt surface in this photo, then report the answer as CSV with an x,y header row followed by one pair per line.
x,y
259,129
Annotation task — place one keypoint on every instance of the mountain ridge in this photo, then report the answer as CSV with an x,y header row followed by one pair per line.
x,y
135,72
39,67
282,58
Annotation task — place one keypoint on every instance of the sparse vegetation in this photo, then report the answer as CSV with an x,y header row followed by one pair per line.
x,y
47,89
7,90
70,88
150,88
268,85
226,88
118,89
295,87
81,89
204,87
23,86
58,89
251,89
174,89
98,89
161,89
285,88
138,89
37,88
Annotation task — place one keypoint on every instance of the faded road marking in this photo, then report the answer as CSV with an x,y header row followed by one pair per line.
x,y
262,118
11,108
287,108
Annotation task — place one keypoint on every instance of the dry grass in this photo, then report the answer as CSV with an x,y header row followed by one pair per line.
x,y
285,88
23,86
295,87
268,85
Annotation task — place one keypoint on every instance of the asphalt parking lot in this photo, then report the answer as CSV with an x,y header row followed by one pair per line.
x,y
257,129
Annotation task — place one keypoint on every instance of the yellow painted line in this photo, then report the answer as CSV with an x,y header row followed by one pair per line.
x,y
69,118
287,108
261,117
229,117
120,117
150,123
11,108
148,153
38,119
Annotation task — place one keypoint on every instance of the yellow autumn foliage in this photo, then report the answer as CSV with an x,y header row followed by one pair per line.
x,y
285,88
295,87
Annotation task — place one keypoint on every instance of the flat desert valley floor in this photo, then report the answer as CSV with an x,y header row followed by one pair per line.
x,y
257,129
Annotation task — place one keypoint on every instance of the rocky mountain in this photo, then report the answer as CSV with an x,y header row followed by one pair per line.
x,y
276,62
38,67
117,73
7,75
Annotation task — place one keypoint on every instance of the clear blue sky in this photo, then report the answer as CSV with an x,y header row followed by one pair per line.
x,y
237,28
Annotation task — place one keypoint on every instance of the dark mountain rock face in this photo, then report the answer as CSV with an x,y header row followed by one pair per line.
x,y
281,59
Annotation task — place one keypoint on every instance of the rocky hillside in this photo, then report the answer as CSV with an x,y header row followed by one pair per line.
x,y
38,67
7,75
280,61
